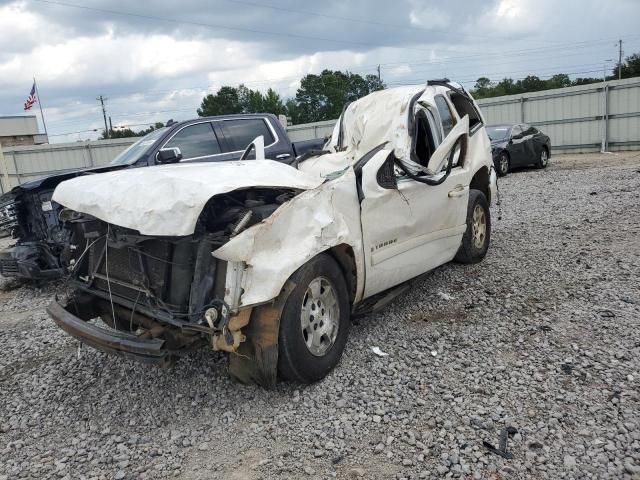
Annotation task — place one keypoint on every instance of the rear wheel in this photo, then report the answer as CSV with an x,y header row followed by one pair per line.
x,y
315,322
543,160
475,241
503,164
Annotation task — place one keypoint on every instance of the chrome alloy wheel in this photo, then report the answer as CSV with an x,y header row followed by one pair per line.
x,y
320,316
504,164
479,227
544,157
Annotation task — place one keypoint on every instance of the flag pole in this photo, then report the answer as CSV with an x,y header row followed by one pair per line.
x,y
40,105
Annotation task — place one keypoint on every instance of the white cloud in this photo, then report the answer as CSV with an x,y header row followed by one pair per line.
x,y
426,16
107,59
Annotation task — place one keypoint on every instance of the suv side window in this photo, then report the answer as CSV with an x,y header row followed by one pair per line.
x,y
424,140
445,114
195,141
240,133
464,107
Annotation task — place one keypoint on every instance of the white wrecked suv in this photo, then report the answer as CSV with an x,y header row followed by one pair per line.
x,y
269,261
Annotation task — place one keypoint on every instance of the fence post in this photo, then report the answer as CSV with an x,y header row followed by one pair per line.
x,y
522,109
606,117
5,184
90,155
15,165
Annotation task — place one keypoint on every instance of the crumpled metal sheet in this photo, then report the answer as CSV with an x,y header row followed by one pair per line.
x,y
307,225
167,200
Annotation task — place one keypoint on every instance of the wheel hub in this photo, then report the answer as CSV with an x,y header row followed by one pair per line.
x,y
543,158
504,164
319,316
479,227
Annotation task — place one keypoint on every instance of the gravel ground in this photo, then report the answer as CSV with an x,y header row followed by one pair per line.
x,y
542,336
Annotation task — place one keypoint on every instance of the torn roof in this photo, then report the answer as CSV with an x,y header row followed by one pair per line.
x,y
380,117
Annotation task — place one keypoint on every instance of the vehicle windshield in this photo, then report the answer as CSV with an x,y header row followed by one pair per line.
x,y
498,133
138,149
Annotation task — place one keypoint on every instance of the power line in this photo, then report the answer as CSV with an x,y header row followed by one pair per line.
x,y
73,133
444,61
225,27
214,26
359,20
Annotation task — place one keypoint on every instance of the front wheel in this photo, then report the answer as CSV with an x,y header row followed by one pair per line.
x,y
502,168
543,160
475,241
315,322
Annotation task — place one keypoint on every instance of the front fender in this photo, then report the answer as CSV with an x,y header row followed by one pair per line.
x,y
309,224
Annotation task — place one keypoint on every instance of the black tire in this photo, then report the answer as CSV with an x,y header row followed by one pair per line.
x,y
543,159
503,164
296,362
472,250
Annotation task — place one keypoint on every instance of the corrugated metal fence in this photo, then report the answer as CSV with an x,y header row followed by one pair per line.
x,y
21,164
578,119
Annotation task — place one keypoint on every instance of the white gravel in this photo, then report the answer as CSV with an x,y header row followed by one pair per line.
x,y
542,336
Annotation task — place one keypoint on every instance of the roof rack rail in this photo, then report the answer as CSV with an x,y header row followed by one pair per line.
x,y
438,81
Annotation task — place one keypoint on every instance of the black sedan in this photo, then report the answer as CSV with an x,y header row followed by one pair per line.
x,y
518,145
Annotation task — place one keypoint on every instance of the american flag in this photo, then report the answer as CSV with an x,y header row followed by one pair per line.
x,y
31,99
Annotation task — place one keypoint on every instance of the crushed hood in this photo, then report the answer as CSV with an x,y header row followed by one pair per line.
x,y
167,200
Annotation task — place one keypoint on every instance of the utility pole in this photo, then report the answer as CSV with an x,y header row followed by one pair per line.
x,y
620,59
379,77
104,115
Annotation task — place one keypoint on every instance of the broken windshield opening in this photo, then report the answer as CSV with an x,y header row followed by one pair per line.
x,y
136,150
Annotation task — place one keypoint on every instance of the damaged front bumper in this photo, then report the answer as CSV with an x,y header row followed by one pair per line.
x,y
28,261
147,350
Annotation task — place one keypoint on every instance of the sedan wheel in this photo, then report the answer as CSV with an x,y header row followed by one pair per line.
x,y
315,321
543,161
503,164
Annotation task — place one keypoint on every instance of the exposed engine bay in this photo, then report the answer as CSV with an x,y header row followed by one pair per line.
x,y
167,288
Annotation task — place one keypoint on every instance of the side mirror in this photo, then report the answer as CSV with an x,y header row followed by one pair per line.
x,y
169,155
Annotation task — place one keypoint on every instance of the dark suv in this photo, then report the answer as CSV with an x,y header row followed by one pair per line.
x,y
32,218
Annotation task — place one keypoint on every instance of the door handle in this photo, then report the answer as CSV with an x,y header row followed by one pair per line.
x,y
458,191
283,155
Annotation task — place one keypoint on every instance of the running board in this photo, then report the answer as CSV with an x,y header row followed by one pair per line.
x,y
378,302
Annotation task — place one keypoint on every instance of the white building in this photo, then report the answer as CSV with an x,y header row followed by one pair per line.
x,y
20,130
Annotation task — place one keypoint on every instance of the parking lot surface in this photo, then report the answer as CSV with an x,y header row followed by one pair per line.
x,y
542,336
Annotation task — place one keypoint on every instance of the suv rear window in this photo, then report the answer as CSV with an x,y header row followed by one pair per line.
x,y
240,133
465,107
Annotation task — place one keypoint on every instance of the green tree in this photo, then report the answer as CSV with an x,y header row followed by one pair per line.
x,y
530,83
226,101
630,67
272,103
559,80
128,132
322,97
229,100
585,81
482,88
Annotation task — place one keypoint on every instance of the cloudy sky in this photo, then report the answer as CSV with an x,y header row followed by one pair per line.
x,y
154,60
